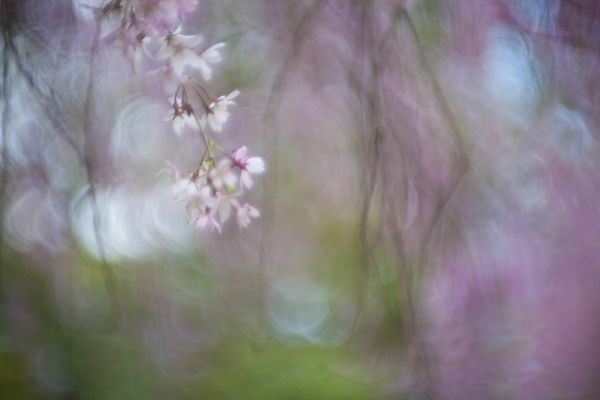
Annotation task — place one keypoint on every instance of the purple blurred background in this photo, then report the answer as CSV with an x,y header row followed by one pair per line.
x,y
429,210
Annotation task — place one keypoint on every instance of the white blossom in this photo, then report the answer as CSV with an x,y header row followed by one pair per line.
x,y
180,50
181,115
244,215
222,176
208,56
217,113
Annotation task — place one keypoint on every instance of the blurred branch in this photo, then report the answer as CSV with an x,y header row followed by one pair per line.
x,y
49,101
371,126
463,158
51,106
109,279
271,146
6,32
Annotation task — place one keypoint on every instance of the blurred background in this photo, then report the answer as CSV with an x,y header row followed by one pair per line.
x,y
429,213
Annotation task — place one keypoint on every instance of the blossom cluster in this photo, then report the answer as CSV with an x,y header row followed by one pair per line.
x,y
211,192
151,29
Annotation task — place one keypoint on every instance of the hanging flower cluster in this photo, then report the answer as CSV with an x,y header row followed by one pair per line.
x,y
213,190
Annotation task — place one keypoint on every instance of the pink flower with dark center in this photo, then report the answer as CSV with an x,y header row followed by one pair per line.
x,y
182,115
248,166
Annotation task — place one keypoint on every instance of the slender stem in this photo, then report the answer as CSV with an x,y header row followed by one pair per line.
x,y
195,87
197,172
199,86
207,142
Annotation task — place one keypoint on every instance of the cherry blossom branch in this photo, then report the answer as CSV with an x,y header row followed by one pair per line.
x,y
215,186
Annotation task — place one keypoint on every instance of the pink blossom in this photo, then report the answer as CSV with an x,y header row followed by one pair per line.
x,y
248,165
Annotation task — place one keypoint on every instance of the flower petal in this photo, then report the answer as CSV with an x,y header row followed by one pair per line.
x,y
240,154
224,210
255,165
233,95
246,180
